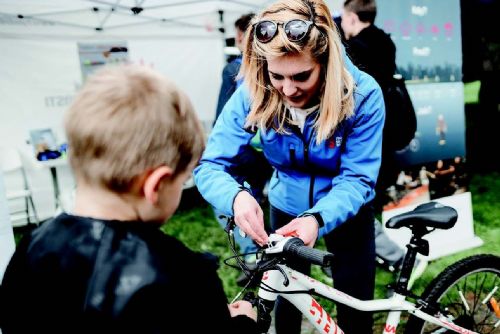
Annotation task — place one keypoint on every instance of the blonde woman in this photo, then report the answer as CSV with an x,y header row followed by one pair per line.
x,y
320,122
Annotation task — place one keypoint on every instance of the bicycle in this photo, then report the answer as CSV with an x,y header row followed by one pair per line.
x,y
463,298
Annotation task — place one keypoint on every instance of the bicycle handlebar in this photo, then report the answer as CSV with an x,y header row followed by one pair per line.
x,y
293,247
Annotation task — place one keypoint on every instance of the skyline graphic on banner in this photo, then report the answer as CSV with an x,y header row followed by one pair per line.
x,y
427,35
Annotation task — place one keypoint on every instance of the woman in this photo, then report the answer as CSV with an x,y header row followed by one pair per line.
x,y
321,123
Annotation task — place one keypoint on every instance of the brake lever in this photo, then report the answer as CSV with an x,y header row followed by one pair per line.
x,y
230,225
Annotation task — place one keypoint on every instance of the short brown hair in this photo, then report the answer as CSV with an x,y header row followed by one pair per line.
x,y
365,9
243,21
126,120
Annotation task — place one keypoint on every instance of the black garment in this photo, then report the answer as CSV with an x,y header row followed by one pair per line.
x,y
374,52
229,84
82,275
353,272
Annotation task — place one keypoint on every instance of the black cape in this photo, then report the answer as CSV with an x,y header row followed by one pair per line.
x,y
82,275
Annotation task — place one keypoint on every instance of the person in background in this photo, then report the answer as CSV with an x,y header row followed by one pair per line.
x,y
253,167
362,37
134,139
442,184
373,51
441,129
320,123
460,175
230,72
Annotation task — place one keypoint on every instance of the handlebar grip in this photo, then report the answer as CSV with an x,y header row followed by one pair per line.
x,y
296,247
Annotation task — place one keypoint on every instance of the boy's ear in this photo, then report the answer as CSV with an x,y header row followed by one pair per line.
x,y
153,181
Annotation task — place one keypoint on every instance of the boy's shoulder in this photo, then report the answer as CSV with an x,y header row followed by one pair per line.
x,y
85,247
70,235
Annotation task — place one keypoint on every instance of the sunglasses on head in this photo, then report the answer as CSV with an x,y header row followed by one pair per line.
x,y
295,30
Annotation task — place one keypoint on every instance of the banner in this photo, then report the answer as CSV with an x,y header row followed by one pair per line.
x,y
427,35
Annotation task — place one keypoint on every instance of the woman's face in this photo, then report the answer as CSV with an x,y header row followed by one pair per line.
x,y
296,77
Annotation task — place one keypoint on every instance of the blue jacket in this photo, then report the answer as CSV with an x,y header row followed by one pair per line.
x,y
332,180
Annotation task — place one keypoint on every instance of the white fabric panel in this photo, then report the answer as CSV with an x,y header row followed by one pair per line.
x,y
194,65
7,244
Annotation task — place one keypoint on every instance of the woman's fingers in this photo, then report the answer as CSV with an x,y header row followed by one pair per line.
x,y
256,222
249,217
305,228
252,227
288,228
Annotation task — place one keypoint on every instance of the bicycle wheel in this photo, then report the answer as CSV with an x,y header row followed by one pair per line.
x,y
462,292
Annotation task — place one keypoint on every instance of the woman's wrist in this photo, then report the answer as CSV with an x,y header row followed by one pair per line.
x,y
316,216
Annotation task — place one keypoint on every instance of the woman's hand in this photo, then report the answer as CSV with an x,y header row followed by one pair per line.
x,y
249,217
242,307
306,228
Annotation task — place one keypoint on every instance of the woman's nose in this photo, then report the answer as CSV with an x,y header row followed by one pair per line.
x,y
289,88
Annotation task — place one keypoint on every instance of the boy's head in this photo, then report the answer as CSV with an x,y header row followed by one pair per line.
x,y
126,122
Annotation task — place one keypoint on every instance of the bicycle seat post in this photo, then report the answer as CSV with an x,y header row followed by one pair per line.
x,y
416,245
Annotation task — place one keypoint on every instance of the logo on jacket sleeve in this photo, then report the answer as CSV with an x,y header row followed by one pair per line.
x,y
335,142
338,140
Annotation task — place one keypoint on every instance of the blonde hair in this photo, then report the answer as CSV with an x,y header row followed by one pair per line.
x,y
127,120
323,44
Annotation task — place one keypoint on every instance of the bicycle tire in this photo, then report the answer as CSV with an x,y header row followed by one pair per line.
x,y
476,276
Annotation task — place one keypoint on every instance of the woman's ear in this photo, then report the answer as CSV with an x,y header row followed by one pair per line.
x,y
153,181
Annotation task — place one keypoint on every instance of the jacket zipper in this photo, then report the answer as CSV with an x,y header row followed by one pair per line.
x,y
313,176
306,161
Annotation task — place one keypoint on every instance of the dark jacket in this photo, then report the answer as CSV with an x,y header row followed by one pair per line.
x,y
373,52
82,275
229,84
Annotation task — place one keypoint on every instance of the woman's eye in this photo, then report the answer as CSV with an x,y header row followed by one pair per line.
x,y
301,77
276,76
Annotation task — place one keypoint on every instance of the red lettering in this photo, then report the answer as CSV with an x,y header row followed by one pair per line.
x,y
455,327
390,329
318,307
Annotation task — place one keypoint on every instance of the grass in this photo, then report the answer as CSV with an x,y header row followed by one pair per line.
x,y
471,91
198,229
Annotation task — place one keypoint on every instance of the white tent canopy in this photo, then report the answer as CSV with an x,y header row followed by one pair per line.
x,y
40,68
39,63
98,19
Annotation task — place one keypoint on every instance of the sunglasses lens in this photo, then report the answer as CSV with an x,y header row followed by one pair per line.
x,y
295,30
265,31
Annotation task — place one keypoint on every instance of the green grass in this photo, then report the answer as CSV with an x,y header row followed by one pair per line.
x,y
471,92
198,229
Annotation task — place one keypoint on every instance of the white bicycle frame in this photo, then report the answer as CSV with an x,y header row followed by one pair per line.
x,y
273,280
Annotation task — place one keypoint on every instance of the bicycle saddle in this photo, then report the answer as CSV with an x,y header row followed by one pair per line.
x,y
430,214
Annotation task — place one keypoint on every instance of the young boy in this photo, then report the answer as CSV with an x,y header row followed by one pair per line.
x,y
107,267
